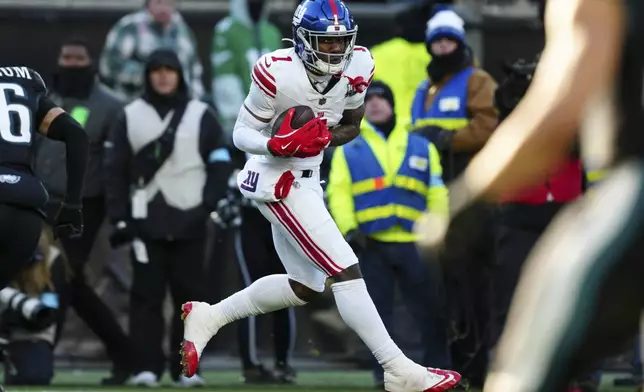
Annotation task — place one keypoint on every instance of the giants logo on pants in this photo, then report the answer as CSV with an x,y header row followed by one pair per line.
x,y
250,183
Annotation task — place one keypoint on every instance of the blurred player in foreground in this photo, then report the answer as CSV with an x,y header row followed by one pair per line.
x,y
26,110
328,73
581,293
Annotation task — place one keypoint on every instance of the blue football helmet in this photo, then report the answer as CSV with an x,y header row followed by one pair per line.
x,y
324,22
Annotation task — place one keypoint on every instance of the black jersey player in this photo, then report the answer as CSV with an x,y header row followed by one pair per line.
x,y
582,290
25,110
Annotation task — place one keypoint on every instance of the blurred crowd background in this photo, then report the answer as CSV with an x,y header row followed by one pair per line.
x,y
94,56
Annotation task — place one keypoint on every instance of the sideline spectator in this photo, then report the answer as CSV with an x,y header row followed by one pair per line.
x,y
401,61
379,184
239,40
76,90
454,109
136,35
166,168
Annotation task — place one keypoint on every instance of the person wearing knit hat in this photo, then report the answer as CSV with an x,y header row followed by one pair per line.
x,y
405,171
454,107
382,110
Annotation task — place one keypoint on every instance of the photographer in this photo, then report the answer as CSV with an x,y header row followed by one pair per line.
x,y
30,318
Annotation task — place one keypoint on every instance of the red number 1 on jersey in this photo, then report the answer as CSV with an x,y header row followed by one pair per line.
x,y
274,59
285,58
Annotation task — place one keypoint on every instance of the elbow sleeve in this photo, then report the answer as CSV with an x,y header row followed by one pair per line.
x,y
65,127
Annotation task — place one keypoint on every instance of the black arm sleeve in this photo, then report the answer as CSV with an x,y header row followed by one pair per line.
x,y
69,131
117,157
44,106
216,156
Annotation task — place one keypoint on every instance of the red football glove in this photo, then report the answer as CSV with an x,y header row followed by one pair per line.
x,y
315,146
287,141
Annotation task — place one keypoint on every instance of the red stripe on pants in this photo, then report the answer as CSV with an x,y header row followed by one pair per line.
x,y
328,261
306,248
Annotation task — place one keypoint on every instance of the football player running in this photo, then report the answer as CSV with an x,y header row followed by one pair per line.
x,y
327,72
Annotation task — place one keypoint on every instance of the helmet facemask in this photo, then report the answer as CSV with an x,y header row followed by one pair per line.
x,y
322,62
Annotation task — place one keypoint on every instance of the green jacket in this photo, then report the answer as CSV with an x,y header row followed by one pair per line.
x,y
130,42
237,44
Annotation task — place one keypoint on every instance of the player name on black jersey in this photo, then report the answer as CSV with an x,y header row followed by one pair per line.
x,y
15,72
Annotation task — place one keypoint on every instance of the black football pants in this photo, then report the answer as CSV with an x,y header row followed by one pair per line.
x,y
20,230
580,295
87,304
179,265
513,245
257,257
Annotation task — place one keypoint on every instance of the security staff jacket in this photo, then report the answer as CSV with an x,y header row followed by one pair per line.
x,y
381,186
401,65
462,103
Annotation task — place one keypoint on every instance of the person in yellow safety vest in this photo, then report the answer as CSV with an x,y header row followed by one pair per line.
x,y
454,108
379,185
401,61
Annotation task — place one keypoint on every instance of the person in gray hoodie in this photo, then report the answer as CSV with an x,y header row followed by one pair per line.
x,y
76,90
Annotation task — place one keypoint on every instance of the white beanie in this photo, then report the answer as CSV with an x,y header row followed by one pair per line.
x,y
445,24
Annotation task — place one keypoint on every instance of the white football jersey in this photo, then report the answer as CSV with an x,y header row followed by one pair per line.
x,y
280,81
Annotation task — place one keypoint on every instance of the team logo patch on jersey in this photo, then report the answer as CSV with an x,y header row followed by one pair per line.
x,y
9,179
449,104
250,183
418,163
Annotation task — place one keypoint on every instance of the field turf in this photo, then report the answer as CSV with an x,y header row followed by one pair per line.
x,y
349,381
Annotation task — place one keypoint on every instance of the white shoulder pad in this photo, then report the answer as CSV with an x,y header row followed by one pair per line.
x,y
362,64
271,69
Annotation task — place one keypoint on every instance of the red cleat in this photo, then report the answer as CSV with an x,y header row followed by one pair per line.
x,y
188,352
449,381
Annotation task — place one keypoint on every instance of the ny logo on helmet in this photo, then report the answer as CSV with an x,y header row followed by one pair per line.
x,y
299,14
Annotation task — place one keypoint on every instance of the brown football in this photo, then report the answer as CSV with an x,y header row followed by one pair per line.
x,y
303,114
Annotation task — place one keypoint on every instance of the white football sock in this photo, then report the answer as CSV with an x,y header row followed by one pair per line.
x,y
265,295
360,314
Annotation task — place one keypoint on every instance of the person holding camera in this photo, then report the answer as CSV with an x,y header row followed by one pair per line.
x,y
30,319
166,167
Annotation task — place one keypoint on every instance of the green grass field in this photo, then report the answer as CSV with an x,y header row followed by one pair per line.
x,y
349,381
